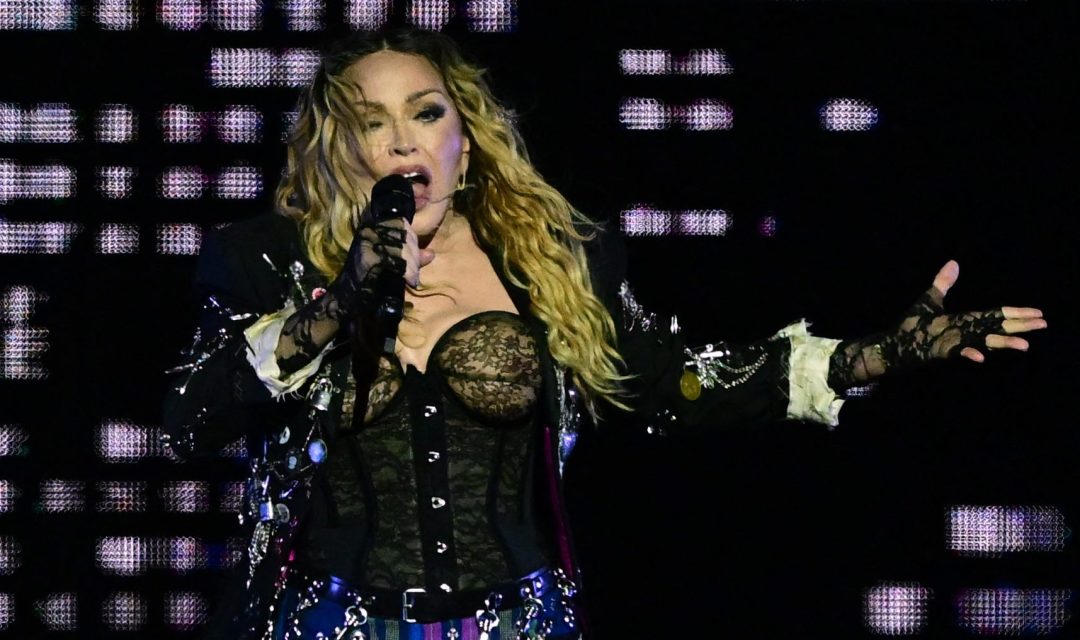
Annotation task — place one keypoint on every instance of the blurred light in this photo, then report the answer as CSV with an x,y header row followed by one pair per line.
x,y
14,440
234,67
124,441
996,530
492,16
115,182
116,123
121,496
643,220
182,183
896,609
704,62
62,496
303,15
35,182
181,124
20,358
117,15
7,610
232,497
38,15
185,610
179,239
181,15
20,303
714,222
23,345
183,554
10,555
297,67
9,493
238,183
705,114
124,611
767,226
186,496
11,122
646,220
122,555
658,62
37,237
52,122
60,612
429,14
236,15
648,114
847,114
1008,611
239,124
367,14
645,62
115,238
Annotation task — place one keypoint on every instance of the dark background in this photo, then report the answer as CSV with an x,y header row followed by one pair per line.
x,y
775,533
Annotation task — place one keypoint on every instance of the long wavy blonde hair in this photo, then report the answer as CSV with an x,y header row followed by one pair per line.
x,y
508,204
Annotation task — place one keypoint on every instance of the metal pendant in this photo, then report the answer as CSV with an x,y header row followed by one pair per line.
x,y
486,618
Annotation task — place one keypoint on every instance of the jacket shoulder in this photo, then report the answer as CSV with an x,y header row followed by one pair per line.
x,y
248,258
268,231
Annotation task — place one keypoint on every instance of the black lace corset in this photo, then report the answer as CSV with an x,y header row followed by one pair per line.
x,y
488,360
436,488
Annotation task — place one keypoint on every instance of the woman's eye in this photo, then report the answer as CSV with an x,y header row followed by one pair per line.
x,y
430,114
372,124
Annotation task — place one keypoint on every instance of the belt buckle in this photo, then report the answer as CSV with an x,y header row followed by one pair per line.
x,y
406,605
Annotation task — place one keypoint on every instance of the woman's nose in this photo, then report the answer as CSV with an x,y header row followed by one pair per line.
x,y
403,144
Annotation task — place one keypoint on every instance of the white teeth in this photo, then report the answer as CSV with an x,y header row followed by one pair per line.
x,y
412,174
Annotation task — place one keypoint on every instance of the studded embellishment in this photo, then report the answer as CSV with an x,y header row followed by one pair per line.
x,y
569,415
718,366
634,315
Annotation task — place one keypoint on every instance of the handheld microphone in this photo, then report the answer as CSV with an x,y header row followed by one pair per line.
x,y
391,197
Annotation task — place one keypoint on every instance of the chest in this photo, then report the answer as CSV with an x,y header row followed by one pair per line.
x,y
455,286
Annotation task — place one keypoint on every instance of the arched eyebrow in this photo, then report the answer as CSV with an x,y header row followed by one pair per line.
x,y
409,99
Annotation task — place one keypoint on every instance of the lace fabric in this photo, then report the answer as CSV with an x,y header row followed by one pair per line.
x,y
486,370
924,333
375,254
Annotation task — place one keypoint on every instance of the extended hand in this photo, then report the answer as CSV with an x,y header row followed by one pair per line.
x,y
927,332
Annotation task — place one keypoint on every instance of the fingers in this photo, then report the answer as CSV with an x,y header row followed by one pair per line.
x,y
1021,312
995,341
415,257
946,277
1023,325
972,354
410,251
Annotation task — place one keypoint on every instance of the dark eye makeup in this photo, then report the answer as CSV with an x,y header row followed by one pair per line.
x,y
431,113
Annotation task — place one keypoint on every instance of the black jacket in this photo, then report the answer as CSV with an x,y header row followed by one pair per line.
x,y
247,269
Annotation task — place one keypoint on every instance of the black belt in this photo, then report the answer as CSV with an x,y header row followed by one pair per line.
x,y
421,605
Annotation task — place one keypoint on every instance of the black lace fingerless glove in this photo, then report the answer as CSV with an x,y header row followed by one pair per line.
x,y
924,333
375,253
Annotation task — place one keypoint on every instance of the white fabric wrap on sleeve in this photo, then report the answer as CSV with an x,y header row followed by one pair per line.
x,y
809,396
262,337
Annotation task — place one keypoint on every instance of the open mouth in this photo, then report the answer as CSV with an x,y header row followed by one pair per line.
x,y
417,177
